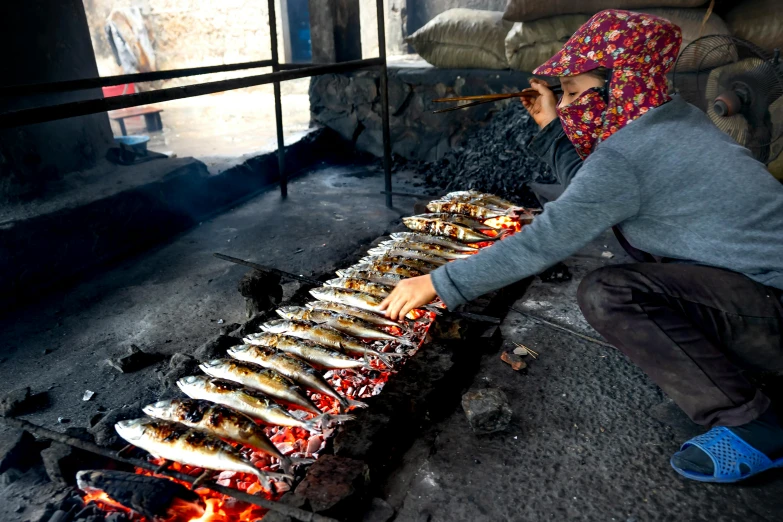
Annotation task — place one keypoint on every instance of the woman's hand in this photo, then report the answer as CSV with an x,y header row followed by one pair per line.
x,y
407,295
542,108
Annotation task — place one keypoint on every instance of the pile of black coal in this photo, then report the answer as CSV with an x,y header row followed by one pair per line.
x,y
495,158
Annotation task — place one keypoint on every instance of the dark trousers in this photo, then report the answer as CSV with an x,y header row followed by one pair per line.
x,y
694,330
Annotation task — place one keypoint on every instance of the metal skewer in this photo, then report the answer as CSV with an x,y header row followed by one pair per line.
x,y
269,269
489,98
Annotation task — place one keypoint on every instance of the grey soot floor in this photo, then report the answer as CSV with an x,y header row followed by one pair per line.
x,y
590,438
585,442
171,299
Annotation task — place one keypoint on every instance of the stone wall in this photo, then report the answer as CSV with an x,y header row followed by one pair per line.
x,y
350,104
47,41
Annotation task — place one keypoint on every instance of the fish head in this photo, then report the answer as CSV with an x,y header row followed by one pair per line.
x,y
132,429
213,367
192,383
262,339
241,351
292,312
276,326
161,409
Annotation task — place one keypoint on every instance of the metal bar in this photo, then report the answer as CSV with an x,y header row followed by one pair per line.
x,y
296,513
411,194
269,269
106,81
559,328
82,108
278,102
387,164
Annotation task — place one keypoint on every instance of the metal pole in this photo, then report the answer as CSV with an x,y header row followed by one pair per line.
x,y
278,102
96,105
384,103
105,81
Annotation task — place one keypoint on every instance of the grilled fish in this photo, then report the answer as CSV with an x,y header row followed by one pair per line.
x,y
404,251
293,368
173,441
424,238
439,227
311,352
374,277
250,402
345,323
430,248
465,209
340,308
474,196
361,285
220,421
458,220
384,267
325,335
419,264
344,296
264,380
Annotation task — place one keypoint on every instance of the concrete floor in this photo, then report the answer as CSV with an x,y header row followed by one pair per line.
x,y
585,442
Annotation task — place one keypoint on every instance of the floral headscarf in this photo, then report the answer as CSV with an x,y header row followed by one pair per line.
x,y
639,49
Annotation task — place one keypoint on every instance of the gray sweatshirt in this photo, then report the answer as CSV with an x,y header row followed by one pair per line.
x,y
676,186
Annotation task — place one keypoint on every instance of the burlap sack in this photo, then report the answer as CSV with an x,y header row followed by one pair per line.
x,y
463,39
529,44
529,10
758,21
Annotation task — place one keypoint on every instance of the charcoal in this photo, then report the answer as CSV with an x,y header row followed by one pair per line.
x,y
495,158
104,432
135,360
18,450
180,365
334,485
261,290
22,401
380,511
487,410
230,328
150,496
62,462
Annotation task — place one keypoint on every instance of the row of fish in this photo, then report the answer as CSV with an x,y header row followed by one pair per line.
x,y
262,380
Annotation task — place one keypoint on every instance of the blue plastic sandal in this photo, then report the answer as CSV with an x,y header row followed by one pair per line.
x,y
727,452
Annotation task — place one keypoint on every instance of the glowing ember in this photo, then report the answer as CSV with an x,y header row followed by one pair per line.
x,y
354,384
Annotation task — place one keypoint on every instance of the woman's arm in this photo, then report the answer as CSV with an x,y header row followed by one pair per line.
x,y
553,146
604,194
551,143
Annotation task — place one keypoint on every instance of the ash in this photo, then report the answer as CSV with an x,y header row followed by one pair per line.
x,y
495,158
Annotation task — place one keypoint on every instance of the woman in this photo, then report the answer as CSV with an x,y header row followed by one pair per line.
x,y
675,186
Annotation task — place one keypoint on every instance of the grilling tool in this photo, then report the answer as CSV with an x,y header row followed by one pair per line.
x,y
489,98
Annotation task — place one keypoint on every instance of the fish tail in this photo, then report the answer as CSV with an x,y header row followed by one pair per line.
x,y
328,419
384,358
301,461
286,464
356,404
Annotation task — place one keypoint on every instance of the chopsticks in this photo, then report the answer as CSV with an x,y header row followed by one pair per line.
x,y
489,98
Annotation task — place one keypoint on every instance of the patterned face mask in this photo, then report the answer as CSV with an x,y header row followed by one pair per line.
x,y
583,120
639,49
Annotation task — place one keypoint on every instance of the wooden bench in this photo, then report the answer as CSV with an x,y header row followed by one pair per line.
x,y
151,117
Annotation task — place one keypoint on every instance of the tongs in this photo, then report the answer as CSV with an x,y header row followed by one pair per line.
x,y
489,98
